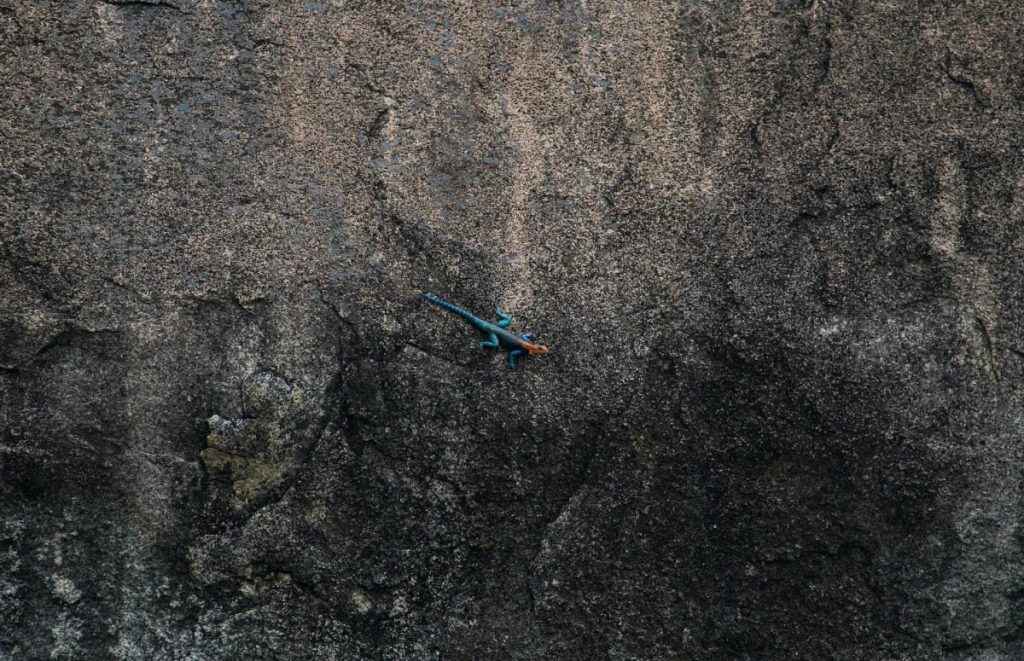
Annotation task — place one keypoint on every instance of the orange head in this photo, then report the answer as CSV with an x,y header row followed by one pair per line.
x,y
537,349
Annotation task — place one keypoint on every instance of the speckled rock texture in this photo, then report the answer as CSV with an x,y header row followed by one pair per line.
x,y
775,245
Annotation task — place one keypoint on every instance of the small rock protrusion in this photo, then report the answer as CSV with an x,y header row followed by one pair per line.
x,y
65,590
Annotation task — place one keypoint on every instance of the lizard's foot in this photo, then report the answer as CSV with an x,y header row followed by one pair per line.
x,y
512,358
503,319
491,343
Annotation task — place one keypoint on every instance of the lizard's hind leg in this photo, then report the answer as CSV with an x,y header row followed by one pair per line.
x,y
491,343
503,319
512,355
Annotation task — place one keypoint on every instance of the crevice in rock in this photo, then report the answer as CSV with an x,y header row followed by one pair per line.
x,y
147,3
63,338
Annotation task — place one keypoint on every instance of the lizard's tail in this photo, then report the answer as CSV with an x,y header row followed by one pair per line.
x,y
448,306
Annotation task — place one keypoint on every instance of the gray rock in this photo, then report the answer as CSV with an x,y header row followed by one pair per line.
x,y
775,246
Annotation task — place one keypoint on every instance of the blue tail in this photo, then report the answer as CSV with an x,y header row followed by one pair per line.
x,y
454,308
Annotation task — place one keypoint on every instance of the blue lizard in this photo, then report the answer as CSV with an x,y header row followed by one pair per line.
x,y
497,335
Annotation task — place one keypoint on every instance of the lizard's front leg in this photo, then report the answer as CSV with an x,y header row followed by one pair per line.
x,y
491,343
503,319
512,355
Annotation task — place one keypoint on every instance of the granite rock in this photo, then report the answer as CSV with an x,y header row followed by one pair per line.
x,y
775,246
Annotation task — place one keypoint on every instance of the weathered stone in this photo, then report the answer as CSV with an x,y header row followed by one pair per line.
x,y
775,246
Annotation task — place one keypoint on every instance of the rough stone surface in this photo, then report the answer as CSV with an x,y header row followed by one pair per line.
x,y
775,245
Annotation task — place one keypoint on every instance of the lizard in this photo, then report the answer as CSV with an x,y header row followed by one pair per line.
x,y
497,333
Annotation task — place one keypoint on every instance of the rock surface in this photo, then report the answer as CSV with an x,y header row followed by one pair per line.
x,y
776,247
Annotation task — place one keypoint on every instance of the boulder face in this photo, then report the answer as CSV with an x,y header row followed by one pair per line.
x,y
775,248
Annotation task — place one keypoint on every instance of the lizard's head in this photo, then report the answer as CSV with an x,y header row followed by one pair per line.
x,y
537,349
